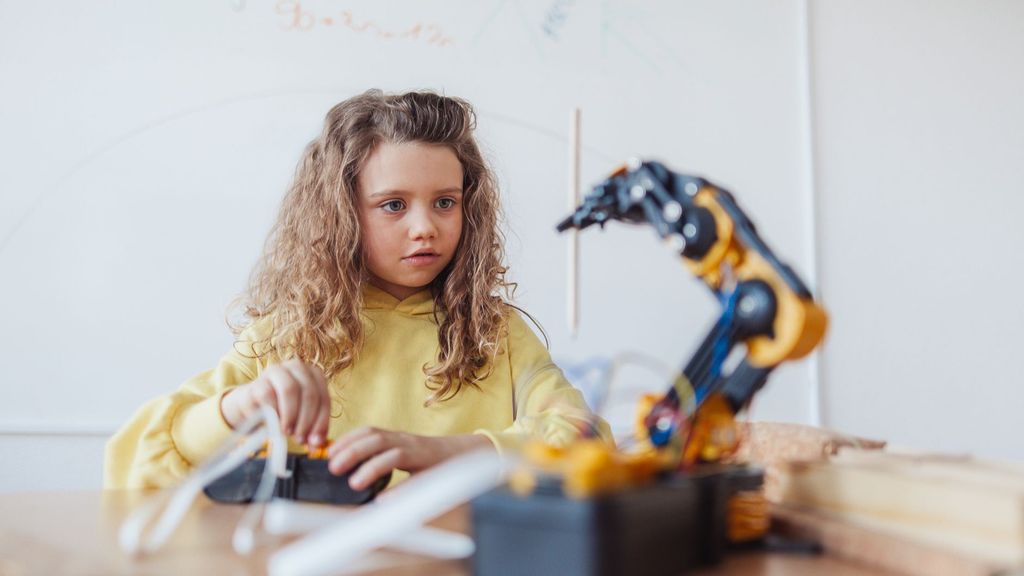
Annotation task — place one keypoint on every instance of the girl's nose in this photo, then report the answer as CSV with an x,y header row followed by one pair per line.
x,y
422,226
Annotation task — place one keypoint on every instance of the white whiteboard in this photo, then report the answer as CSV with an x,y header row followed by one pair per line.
x,y
146,147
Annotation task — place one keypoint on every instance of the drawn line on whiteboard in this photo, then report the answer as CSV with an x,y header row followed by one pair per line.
x,y
526,22
640,19
537,129
605,24
624,26
632,48
53,190
488,20
667,50
551,27
527,25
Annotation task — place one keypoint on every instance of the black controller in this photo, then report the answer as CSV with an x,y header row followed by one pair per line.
x,y
310,481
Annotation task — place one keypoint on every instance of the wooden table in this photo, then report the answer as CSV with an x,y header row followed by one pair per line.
x,y
51,533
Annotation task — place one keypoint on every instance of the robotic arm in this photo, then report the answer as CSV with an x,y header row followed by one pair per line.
x,y
765,305
659,494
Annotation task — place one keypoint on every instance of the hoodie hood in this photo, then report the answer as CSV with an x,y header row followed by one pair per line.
x,y
418,304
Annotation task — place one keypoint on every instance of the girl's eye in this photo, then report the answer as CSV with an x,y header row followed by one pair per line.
x,y
393,206
446,203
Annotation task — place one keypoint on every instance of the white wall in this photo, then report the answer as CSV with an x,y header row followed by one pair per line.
x,y
146,149
919,110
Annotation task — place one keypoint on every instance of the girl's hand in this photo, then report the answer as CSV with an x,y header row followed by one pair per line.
x,y
295,390
384,450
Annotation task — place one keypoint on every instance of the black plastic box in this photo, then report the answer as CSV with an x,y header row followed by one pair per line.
x,y
644,531
668,528
310,481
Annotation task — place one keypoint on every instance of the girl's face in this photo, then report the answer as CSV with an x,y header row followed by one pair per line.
x,y
410,210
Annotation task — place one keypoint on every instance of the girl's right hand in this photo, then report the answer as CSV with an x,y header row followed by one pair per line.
x,y
295,390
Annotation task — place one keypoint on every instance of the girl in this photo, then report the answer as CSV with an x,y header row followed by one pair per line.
x,y
374,316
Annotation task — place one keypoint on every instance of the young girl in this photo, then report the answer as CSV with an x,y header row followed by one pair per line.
x,y
374,315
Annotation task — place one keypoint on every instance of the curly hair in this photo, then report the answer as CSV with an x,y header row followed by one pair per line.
x,y
309,280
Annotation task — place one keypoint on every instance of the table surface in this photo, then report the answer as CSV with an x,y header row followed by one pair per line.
x,y
76,533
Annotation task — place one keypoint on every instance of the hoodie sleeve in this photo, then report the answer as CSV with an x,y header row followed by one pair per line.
x,y
169,435
546,405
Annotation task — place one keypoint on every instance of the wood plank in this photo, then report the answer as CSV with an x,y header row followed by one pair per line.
x,y
974,508
875,549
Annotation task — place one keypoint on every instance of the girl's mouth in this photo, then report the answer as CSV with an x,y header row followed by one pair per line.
x,y
422,258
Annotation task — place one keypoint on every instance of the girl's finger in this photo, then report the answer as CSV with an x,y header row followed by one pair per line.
x,y
251,399
357,451
286,389
308,399
340,444
262,394
318,374
318,435
375,467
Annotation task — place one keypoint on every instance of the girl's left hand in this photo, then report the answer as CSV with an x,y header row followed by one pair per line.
x,y
384,450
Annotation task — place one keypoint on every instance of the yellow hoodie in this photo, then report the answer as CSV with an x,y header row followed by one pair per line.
x,y
525,395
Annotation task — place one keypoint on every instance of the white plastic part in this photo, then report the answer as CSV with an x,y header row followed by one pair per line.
x,y
244,538
249,437
391,519
283,517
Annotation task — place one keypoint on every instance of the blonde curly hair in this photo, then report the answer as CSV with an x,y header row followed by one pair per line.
x,y
308,282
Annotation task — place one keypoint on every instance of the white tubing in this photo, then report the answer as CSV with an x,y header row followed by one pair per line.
x,y
284,517
130,536
255,431
419,499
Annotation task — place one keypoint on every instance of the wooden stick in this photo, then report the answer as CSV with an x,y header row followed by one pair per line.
x,y
573,268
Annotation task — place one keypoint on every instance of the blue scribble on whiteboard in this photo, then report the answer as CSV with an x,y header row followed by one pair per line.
x,y
621,26
556,17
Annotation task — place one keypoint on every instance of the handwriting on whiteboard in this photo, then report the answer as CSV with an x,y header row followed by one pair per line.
x,y
298,17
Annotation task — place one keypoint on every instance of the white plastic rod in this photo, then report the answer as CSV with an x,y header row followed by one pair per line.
x,y
260,427
284,517
402,511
